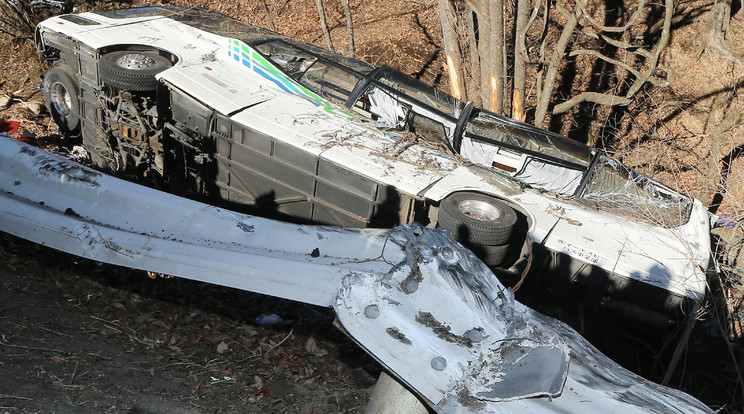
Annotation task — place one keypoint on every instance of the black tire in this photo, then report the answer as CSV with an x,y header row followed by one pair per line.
x,y
132,70
492,256
477,219
61,96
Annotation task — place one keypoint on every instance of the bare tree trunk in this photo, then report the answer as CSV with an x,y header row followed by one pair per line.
x,y
324,25
520,57
555,63
481,9
713,175
496,40
447,17
475,66
719,24
269,15
349,28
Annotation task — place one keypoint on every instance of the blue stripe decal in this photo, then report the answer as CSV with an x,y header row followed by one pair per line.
x,y
242,53
265,75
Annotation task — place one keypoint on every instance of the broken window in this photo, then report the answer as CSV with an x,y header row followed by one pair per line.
x,y
522,137
293,61
383,108
615,187
424,94
329,80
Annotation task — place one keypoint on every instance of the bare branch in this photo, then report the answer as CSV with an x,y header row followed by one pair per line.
x,y
607,59
660,46
611,29
555,63
541,57
15,19
671,75
596,97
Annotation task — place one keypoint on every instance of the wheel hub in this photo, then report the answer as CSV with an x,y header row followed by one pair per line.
x,y
136,61
61,99
479,210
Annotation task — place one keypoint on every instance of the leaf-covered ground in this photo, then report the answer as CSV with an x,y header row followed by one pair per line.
x,y
79,336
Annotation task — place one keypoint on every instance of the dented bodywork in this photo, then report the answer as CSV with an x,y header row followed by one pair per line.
x,y
483,352
350,157
246,119
249,120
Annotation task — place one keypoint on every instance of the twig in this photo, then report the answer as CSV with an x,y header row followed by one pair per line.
x,y
72,377
13,397
33,348
58,333
280,342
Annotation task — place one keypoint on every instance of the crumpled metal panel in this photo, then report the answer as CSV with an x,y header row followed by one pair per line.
x,y
453,333
420,303
442,323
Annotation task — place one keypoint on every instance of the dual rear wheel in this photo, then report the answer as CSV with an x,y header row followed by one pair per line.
x,y
482,223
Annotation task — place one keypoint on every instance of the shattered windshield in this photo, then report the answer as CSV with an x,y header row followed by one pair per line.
x,y
295,62
626,192
332,81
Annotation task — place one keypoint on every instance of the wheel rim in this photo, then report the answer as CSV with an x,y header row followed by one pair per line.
x,y
61,99
479,210
135,61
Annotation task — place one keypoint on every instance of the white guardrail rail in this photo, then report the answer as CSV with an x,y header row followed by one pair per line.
x,y
425,307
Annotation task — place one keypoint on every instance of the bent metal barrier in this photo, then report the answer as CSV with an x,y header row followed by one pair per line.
x,y
482,352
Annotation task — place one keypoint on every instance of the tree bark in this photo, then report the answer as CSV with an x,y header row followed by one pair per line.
x,y
520,57
324,25
555,63
713,175
496,41
484,29
349,28
719,24
452,51
475,66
